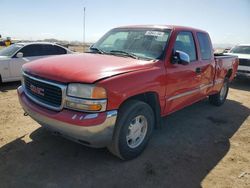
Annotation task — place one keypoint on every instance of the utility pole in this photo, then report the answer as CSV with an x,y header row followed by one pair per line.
x,y
84,12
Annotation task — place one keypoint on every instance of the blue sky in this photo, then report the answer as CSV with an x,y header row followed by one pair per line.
x,y
227,21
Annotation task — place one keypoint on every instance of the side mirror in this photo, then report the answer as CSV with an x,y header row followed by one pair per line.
x,y
19,55
180,58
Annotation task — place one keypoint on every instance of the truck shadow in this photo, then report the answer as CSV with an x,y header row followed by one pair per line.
x,y
180,154
5,87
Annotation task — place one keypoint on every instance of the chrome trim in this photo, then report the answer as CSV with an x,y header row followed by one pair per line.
x,y
112,113
201,87
74,116
243,68
97,136
205,86
94,136
102,102
218,81
61,86
91,116
183,94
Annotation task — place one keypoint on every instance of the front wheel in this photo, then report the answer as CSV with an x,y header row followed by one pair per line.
x,y
219,98
133,129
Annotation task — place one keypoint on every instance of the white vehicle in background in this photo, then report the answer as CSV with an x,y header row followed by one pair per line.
x,y
13,57
243,53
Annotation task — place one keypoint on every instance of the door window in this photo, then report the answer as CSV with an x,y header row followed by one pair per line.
x,y
42,50
53,50
58,50
185,43
31,50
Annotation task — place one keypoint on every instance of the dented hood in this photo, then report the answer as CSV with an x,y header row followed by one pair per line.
x,y
84,68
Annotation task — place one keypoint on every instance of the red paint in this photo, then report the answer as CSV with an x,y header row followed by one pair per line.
x,y
127,77
84,68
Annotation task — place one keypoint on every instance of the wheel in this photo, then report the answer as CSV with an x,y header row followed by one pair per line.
x,y
219,98
133,130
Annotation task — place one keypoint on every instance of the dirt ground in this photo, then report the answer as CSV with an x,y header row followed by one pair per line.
x,y
199,146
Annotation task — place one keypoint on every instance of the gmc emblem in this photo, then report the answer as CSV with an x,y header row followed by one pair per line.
x,y
37,90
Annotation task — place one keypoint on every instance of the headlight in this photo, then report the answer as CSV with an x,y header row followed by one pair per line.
x,y
83,97
86,91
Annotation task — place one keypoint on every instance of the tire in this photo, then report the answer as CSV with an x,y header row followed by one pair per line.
x,y
219,98
133,129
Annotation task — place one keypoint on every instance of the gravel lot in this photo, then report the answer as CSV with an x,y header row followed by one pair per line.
x,y
199,146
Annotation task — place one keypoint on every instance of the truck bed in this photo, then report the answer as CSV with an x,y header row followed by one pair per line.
x,y
226,63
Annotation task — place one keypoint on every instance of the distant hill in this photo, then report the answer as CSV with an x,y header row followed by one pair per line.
x,y
226,45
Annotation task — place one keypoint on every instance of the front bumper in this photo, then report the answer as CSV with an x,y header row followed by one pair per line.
x,y
243,74
243,71
94,130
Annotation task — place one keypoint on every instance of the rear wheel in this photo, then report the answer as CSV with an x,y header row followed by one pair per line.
x,y
133,129
219,98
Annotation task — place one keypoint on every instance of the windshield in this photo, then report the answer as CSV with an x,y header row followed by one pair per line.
x,y
240,50
140,43
11,50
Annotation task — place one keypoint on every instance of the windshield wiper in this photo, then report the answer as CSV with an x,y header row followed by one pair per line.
x,y
125,53
98,50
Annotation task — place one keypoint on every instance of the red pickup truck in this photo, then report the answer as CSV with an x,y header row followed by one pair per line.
x,y
116,94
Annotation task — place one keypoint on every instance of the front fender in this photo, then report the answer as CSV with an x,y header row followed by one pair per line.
x,y
122,87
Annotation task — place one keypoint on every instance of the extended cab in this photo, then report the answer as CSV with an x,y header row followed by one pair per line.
x,y
115,95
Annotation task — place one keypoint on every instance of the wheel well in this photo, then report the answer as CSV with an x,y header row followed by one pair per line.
x,y
152,100
229,73
1,79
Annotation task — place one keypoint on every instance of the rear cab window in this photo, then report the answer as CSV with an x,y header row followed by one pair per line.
x,y
205,46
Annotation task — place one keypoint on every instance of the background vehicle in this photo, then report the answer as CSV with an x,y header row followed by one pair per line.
x,y
243,53
5,41
115,95
13,57
226,50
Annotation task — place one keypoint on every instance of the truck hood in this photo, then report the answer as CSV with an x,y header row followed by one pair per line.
x,y
83,68
240,56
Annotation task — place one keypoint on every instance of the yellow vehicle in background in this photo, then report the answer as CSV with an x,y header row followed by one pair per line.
x,y
7,42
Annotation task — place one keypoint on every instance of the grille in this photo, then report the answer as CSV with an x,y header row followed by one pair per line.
x,y
43,92
244,62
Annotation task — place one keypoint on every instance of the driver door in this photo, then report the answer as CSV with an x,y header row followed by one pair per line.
x,y
183,81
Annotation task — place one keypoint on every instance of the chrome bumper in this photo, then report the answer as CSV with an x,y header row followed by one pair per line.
x,y
94,136
243,74
243,71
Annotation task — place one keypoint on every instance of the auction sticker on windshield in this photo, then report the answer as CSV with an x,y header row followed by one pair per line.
x,y
154,33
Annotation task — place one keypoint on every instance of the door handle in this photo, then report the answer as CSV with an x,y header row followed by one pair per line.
x,y
198,70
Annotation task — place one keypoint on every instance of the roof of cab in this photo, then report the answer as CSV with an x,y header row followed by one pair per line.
x,y
173,27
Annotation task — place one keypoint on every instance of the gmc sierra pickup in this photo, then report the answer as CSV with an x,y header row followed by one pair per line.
x,y
115,95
